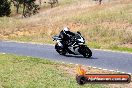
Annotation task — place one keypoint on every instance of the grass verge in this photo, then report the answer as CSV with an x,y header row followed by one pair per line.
x,y
28,72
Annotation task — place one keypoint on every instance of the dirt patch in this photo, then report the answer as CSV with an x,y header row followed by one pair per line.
x,y
72,70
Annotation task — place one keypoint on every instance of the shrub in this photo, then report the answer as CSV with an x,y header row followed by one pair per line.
x,y
5,8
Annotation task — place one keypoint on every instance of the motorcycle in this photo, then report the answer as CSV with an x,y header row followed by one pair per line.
x,y
78,46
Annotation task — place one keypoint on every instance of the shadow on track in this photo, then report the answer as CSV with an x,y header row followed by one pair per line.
x,y
93,58
79,56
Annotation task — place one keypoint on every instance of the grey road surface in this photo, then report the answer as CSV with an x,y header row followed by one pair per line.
x,y
102,59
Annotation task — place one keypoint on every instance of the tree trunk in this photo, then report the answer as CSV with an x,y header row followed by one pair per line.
x,y
57,1
23,8
17,7
40,2
16,4
100,1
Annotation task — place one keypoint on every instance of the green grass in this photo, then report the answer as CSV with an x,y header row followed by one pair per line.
x,y
7,22
108,36
65,2
103,14
121,49
28,72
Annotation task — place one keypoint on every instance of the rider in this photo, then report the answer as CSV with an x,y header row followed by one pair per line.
x,y
66,35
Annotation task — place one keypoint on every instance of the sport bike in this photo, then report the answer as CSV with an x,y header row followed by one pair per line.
x,y
77,46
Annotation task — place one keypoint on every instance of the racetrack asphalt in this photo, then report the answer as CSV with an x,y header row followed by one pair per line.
x,y
102,59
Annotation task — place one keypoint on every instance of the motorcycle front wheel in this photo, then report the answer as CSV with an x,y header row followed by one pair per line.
x,y
60,50
85,51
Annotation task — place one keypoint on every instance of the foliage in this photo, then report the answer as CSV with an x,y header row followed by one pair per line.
x,y
4,8
28,72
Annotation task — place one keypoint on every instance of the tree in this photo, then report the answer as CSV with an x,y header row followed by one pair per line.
x,y
17,4
53,2
40,2
30,8
5,8
100,2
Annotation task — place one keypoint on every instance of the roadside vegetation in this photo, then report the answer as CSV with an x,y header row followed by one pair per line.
x,y
28,72
106,26
4,8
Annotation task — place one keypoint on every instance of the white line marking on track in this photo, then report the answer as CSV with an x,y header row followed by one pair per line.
x,y
118,71
123,72
111,70
63,62
71,63
94,67
130,73
105,69
100,68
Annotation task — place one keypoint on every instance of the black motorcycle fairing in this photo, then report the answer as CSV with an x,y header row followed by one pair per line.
x,y
63,48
